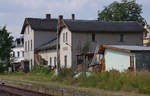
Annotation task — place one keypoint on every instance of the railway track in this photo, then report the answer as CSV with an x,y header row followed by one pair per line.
x,y
20,92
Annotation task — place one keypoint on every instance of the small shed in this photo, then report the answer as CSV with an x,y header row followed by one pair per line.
x,y
125,57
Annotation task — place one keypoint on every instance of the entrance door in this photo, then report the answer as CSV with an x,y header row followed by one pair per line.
x,y
131,63
103,65
65,61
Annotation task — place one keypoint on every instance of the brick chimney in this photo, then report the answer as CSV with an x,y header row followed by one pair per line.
x,y
73,17
48,16
60,18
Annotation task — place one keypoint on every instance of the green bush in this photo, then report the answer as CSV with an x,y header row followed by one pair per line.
x,y
109,80
3,67
65,76
144,89
35,69
65,73
90,81
40,69
45,69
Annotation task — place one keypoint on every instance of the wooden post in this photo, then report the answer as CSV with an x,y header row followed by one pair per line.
x,y
131,63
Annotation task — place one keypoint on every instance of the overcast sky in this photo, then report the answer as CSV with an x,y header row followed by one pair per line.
x,y
13,12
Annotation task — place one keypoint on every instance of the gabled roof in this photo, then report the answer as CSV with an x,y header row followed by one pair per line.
x,y
51,44
124,48
97,26
83,25
40,24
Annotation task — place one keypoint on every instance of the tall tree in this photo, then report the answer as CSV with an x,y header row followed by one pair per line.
x,y
126,10
5,44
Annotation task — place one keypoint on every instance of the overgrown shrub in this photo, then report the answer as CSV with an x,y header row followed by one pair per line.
x,y
65,76
35,69
113,80
65,73
90,81
41,69
3,67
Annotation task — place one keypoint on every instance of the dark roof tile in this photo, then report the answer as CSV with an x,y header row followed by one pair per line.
x,y
51,44
40,24
96,26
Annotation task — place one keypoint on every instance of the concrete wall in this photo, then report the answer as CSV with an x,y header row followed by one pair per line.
x,y
117,60
66,48
79,38
47,54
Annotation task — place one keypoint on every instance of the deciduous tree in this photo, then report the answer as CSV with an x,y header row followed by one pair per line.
x,y
126,10
5,44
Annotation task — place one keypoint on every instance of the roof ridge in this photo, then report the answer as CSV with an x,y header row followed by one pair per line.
x,y
41,18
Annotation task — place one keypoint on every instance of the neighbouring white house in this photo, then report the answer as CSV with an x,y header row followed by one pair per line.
x,y
125,57
17,54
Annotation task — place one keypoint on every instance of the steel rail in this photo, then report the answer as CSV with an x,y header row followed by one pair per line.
x,y
20,91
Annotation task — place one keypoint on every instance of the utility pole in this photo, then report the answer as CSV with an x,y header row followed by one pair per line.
x,y
57,46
